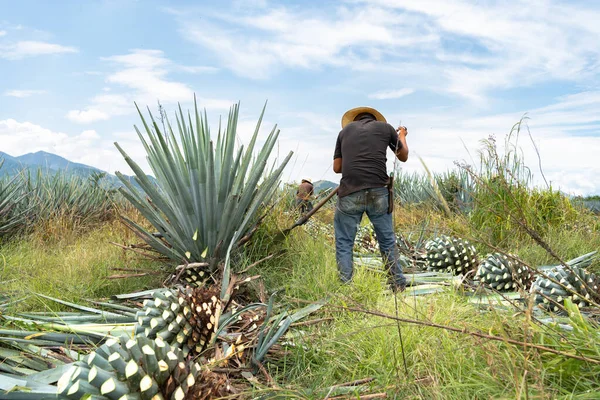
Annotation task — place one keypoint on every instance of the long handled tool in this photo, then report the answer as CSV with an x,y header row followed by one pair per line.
x,y
303,219
391,210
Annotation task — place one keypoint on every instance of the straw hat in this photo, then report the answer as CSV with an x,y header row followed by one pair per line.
x,y
307,180
351,114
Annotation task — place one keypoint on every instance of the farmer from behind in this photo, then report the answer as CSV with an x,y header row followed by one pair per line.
x,y
360,156
303,196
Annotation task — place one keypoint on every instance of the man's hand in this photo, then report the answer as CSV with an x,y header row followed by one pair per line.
x,y
402,151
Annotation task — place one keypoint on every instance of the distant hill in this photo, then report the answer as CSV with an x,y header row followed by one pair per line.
x,y
52,163
10,165
323,185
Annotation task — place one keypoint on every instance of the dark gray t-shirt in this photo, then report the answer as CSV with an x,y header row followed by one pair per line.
x,y
362,146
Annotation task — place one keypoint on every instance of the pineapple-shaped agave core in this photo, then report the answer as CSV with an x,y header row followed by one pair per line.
x,y
561,283
502,272
186,319
450,254
138,368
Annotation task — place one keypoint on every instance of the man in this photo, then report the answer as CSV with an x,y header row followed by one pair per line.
x,y
360,156
303,195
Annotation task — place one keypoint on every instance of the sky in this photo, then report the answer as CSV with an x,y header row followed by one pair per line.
x,y
453,72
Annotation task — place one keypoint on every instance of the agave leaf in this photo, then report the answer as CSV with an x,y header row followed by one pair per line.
x,y
49,376
207,193
278,326
80,307
227,272
303,312
233,317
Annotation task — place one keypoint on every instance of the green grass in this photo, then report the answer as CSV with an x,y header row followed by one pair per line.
x,y
72,262
441,364
72,265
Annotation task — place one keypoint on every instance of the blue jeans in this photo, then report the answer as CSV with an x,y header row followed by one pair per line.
x,y
348,214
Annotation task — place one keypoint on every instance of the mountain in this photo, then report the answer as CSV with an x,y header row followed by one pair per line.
x,y
10,165
52,163
323,185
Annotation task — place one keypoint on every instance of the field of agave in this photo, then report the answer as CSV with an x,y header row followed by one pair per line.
x,y
503,299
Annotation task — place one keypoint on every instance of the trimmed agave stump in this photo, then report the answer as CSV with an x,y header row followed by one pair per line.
x,y
575,283
451,254
502,272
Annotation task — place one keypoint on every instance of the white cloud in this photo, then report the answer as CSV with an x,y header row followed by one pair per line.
x,y
89,135
142,76
391,94
250,4
23,93
199,69
144,71
25,137
517,43
30,48
87,147
469,48
86,116
2,33
255,45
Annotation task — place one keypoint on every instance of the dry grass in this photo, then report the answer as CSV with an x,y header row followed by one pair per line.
x,y
72,264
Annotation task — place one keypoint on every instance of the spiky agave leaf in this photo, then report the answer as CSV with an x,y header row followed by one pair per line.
x,y
12,214
502,272
560,283
205,190
451,254
415,250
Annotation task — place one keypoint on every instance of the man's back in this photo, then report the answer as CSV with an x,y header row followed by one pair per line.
x,y
362,146
305,190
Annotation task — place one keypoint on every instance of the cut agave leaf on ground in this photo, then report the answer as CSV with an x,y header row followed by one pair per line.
x,y
446,275
145,294
303,312
16,358
10,382
79,307
422,290
504,298
48,376
368,261
417,279
48,336
582,261
78,319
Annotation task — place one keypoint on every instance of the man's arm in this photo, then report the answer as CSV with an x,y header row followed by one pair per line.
x,y
402,149
337,156
337,165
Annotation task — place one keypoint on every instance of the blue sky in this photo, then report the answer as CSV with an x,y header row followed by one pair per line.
x,y
454,72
